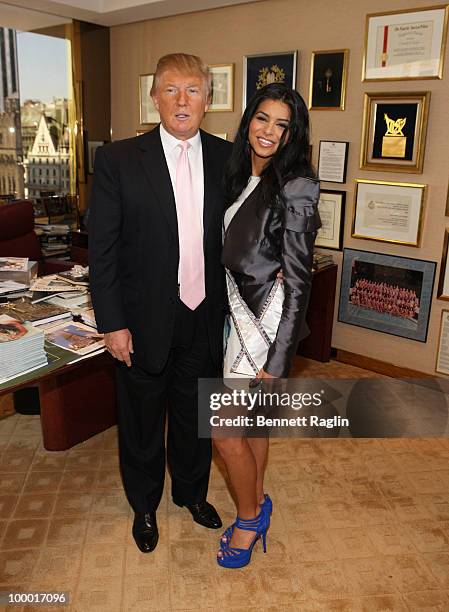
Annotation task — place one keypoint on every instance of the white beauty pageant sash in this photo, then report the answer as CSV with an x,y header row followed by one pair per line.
x,y
248,338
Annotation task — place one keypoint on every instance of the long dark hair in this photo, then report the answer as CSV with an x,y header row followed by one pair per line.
x,y
292,159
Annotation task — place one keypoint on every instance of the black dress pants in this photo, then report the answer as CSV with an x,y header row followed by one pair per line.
x,y
143,400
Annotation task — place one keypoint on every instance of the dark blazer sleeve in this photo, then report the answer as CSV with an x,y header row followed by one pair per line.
x,y
301,221
105,221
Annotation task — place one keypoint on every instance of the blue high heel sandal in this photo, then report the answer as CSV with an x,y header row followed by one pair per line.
x,y
234,558
266,506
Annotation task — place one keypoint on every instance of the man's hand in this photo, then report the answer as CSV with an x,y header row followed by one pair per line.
x,y
120,344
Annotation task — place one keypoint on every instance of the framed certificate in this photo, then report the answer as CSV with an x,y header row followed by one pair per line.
x,y
442,364
394,131
443,283
331,207
222,88
148,112
386,293
328,74
406,44
388,212
260,70
333,161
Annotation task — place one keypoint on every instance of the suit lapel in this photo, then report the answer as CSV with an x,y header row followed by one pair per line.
x,y
156,171
211,182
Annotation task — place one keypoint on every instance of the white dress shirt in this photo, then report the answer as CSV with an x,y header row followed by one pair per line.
x,y
195,153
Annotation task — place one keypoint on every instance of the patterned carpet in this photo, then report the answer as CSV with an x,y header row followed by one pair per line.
x,y
358,525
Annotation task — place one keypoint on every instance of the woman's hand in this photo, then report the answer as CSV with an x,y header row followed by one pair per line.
x,y
261,374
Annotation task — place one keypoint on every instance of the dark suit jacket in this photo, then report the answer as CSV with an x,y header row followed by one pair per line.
x,y
258,243
133,244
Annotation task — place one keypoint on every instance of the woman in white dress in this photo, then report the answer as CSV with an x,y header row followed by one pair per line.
x,y
269,232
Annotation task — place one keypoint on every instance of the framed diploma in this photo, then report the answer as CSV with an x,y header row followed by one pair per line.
x,y
394,131
222,87
328,75
442,365
148,112
443,283
388,212
332,212
406,44
333,161
260,70
386,293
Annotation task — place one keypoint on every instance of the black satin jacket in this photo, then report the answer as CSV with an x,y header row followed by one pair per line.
x,y
260,242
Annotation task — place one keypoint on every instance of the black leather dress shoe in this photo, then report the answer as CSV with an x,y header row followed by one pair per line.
x,y
205,514
145,531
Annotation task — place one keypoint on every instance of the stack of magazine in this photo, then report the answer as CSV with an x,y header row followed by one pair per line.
x,y
21,348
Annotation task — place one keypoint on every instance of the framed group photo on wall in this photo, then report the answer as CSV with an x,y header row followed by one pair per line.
x,y
406,44
388,212
147,110
328,73
261,70
222,87
333,161
386,293
331,207
394,131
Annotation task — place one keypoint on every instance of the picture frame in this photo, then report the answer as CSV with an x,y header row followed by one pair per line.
x,y
386,293
443,281
148,128
394,131
147,111
92,146
222,88
442,361
388,212
261,69
406,44
328,75
331,207
446,213
333,161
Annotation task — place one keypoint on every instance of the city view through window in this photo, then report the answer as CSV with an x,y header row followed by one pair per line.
x,y
34,122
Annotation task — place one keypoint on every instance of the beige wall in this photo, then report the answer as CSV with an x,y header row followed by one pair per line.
x,y
226,35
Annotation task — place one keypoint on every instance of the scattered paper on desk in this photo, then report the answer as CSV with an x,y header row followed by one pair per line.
x,y
8,286
51,283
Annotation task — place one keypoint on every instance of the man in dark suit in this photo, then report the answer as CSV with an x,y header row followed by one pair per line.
x,y
158,290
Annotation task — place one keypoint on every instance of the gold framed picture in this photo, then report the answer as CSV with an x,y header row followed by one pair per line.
x,y
394,131
148,112
328,73
222,88
388,212
406,44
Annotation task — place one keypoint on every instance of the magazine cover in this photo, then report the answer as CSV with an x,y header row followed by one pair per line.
x,y
10,329
75,337
15,264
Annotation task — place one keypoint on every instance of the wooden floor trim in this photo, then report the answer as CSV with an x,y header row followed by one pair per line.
x,y
375,365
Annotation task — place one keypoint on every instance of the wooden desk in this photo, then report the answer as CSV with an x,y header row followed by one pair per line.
x,y
320,315
77,400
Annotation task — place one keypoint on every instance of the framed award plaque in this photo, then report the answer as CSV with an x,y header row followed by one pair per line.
x,y
260,70
394,131
407,44
328,75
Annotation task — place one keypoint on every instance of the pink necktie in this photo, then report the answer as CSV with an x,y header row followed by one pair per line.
x,y
191,256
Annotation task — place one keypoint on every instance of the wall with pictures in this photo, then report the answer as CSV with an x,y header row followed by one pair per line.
x,y
224,36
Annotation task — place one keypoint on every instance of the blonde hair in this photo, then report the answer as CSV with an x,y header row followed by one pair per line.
x,y
186,64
